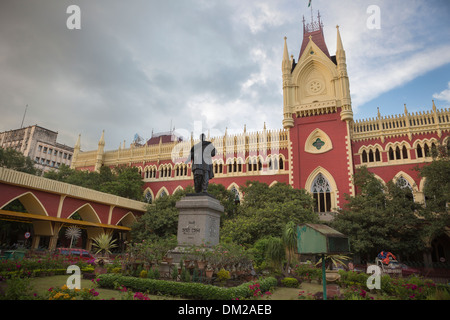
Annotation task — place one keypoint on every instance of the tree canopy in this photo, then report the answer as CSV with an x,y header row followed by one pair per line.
x,y
385,217
123,181
13,159
265,211
161,218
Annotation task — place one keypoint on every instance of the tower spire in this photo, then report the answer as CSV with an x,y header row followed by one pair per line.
x,y
314,30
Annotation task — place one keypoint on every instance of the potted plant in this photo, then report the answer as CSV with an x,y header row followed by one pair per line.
x,y
209,271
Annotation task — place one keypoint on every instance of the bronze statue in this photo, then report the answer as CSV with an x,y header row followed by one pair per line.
x,y
201,154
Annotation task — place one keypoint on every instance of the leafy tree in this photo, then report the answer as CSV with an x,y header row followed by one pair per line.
x,y
161,218
435,212
265,211
227,198
379,218
13,159
123,181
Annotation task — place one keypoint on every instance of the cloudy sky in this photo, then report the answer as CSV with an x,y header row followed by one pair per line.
x,y
139,66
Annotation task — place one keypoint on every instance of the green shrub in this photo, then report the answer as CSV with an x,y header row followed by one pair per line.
x,y
290,282
143,274
309,272
18,289
190,290
116,270
223,275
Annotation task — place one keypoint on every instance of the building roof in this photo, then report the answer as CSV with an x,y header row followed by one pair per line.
x,y
164,137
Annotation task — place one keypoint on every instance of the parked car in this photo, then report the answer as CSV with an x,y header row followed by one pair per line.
x,y
81,253
407,270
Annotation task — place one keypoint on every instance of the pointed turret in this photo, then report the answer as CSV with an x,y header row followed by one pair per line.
x,y
286,64
76,151
101,142
340,52
100,149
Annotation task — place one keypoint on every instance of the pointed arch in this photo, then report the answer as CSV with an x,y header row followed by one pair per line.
x,y
87,213
178,188
326,198
161,192
148,195
127,220
31,203
408,178
404,180
235,188
273,183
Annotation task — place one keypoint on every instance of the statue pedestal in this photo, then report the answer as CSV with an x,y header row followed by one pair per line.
x,y
198,223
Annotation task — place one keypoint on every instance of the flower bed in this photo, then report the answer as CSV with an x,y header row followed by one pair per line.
x,y
42,266
411,288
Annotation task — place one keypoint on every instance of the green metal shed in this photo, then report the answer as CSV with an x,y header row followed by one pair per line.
x,y
321,239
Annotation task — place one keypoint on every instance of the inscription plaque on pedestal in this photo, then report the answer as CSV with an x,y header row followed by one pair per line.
x,y
198,220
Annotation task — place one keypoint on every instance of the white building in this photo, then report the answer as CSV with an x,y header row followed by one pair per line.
x,y
40,145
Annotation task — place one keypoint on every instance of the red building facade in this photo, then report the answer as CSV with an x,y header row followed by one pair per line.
x,y
318,149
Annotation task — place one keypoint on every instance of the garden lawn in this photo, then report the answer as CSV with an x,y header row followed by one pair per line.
x,y
283,293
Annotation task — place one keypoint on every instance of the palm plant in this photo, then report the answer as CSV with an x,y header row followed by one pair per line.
x,y
335,259
275,252
289,239
73,233
104,243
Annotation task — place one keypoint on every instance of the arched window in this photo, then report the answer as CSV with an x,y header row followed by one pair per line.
x,y
405,152
371,159
426,150
236,195
322,194
419,151
281,164
404,184
391,154
377,155
364,156
397,153
148,197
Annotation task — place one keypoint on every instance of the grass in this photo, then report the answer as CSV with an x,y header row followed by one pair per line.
x,y
282,293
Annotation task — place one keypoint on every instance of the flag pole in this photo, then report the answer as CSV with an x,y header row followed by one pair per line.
x,y
21,126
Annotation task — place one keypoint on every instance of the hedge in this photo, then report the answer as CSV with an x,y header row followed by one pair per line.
x,y
189,290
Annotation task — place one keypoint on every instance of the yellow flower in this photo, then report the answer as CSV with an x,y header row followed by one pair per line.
x,y
64,287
